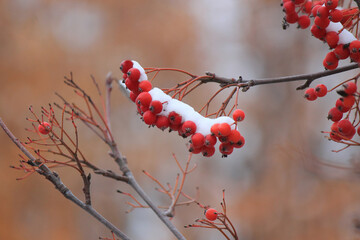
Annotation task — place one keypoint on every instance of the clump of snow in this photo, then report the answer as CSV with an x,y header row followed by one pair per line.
x,y
187,112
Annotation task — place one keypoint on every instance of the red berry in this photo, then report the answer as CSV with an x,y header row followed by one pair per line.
x,y
348,101
145,86
208,151
126,65
321,22
350,88
132,86
238,115
320,90
358,131
44,128
188,128
335,114
345,127
210,140
174,127
197,140
352,132
289,7
335,15
144,99
133,96
314,10
181,132
162,122
341,51
322,12
156,106
240,143
215,129
224,129
211,214
194,149
292,17
134,74
303,21
334,127
332,39
149,118
331,4
354,48
340,105
226,149
307,7
234,137
223,139
143,109
174,118
330,61
318,32
310,94
335,137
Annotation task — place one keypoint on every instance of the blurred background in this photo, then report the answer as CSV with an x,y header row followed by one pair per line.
x,y
276,187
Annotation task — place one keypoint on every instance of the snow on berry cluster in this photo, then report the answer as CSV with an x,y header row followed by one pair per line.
x,y
330,23
161,110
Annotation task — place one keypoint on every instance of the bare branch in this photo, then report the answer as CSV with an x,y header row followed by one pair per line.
x,y
309,78
60,186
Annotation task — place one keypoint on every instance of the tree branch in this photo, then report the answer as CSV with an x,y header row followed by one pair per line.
x,y
59,185
309,78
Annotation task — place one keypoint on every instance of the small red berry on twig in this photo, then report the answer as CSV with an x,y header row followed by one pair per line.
x,y
238,115
134,74
335,114
126,65
320,90
211,214
310,94
44,128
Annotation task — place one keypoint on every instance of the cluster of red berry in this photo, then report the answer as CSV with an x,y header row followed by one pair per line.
x,y
229,138
161,110
343,128
330,25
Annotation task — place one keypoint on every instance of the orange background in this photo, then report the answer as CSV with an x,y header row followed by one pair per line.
x,y
275,188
